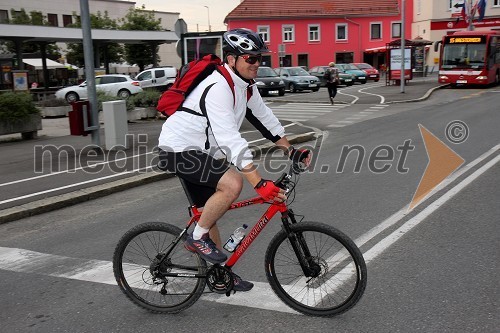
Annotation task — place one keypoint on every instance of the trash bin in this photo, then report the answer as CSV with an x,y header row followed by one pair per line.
x,y
76,123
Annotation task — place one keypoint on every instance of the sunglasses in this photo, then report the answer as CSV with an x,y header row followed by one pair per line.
x,y
252,59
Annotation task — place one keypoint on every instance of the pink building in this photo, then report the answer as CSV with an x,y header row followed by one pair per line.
x,y
314,32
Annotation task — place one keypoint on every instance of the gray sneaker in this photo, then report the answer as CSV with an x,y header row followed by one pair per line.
x,y
240,284
206,248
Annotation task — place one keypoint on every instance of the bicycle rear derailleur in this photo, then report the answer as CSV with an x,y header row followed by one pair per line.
x,y
220,279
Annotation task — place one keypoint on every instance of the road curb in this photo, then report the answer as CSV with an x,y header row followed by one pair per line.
x,y
426,95
98,191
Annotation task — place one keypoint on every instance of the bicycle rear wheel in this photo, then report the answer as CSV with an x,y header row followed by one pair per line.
x,y
136,269
339,277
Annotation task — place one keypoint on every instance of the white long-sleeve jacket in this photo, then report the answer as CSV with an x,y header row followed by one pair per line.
x,y
185,131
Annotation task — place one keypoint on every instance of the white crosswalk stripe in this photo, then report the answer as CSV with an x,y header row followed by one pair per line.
x,y
100,271
303,111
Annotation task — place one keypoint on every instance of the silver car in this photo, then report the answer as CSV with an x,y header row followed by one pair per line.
x,y
298,79
112,84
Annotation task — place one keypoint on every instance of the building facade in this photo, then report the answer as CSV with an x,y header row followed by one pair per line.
x,y
316,32
434,19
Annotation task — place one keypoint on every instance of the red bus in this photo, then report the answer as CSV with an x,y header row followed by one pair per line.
x,y
470,58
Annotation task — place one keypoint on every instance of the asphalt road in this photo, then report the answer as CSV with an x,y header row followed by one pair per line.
x,y
434,269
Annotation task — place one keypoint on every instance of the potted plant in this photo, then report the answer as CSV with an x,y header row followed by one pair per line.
x,y
147,99
18,114
54,107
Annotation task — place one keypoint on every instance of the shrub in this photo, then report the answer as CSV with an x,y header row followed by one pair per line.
x,y
146,98
16,106
102,97
53,102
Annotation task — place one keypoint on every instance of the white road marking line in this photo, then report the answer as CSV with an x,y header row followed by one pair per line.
x,y
99,271
385,243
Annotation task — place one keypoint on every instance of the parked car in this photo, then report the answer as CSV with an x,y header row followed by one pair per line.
x,y
372,73
297,79
161,78
112,84
268,82
344,78
359,75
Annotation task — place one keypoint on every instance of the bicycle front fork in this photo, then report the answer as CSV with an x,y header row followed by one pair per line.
x,y
299,245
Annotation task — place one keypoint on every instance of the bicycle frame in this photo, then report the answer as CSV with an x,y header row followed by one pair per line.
x,y
273,209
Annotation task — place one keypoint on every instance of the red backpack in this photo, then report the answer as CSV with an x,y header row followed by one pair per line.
x,y
189,76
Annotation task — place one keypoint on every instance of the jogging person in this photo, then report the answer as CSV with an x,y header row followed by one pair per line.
x,y
332,79
202,149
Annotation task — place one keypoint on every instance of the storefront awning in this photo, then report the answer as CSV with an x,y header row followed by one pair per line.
x,y
37,63
376,49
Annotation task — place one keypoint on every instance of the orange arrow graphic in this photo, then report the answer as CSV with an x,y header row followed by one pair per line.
x,y
442,162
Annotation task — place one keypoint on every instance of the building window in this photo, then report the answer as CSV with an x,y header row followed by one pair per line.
x,y
52,18
396,30
496,3
341,34
375,30
314,33
67,20
263,31
288,33
4,16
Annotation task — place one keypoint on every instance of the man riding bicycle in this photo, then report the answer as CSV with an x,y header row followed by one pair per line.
x,y
206,168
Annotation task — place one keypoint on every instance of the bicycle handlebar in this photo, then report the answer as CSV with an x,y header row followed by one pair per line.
x,y
285,178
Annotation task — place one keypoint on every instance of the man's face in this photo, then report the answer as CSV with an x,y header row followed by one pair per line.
x,y
246,65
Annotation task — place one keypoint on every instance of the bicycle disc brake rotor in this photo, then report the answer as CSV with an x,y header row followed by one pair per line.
x,y
320,267
219,279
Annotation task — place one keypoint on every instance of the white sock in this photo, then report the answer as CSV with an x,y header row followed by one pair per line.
x,y
199,231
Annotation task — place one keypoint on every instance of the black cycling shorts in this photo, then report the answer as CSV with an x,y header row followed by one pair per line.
x,y
200,171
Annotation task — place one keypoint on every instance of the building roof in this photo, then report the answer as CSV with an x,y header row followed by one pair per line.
x,y
271,9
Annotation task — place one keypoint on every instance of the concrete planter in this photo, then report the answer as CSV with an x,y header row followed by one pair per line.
x,y
141,113
27,127
151,112
55,111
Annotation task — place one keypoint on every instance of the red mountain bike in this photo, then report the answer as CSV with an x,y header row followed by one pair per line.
x,y
312,267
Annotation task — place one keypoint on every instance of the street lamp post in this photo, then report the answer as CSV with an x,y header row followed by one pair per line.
x,y
208,11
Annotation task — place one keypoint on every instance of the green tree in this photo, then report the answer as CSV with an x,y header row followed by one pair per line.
x,y
114,51
140,19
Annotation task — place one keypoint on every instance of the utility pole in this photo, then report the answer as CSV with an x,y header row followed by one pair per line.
x,y
469,14
89,71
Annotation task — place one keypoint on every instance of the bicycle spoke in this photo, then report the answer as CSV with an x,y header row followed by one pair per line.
x,y
142,276
336,276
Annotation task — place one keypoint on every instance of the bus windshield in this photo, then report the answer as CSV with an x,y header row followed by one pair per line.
x,y
464,56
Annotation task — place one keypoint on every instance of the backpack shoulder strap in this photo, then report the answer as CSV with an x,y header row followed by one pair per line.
x,y
225,73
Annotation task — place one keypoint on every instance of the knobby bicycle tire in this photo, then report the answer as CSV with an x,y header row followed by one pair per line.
x,y
338,286
132,259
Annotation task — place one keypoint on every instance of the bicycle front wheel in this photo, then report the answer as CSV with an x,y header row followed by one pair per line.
x,y
145,281
336,270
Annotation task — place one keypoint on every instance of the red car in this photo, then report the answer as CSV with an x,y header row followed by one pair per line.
x,y
371,73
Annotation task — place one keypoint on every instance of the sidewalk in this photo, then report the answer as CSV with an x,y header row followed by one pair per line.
x,y
417,89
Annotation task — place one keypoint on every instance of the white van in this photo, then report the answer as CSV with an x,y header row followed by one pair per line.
x,y
161,78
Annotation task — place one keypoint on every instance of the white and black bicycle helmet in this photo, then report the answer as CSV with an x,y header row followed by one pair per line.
x,y
243,41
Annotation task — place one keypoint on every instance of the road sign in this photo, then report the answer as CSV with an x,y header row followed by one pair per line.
x,y
456,7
